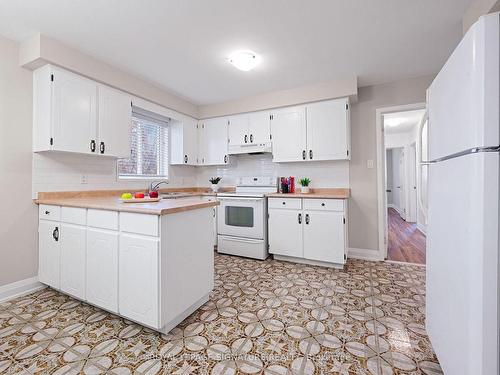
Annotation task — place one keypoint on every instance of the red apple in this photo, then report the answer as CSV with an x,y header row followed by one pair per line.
x,y
153,194
139,195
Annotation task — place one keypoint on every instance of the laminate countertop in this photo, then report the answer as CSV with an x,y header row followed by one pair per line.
x,y
316,194
113,203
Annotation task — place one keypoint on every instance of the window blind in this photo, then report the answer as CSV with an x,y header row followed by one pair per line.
x,y
149,149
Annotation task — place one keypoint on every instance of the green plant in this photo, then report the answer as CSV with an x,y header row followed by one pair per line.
x,y
305,181
215,180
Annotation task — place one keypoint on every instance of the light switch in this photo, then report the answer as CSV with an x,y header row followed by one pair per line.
x,y
369,164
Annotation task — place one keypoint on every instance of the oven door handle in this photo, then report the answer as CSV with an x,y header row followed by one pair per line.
x,y
242,199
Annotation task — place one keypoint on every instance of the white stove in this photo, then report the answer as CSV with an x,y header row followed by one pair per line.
x,y
242,218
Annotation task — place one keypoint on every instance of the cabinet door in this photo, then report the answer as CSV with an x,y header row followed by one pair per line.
x,y
214,141
324,234
237,130
139,279
327,130
285,232
288,128
49,254
73,248
115,120
74,112
190,141
102,268
259,127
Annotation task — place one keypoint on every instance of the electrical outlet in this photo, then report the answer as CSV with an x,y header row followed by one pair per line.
x,y
83,180
369,164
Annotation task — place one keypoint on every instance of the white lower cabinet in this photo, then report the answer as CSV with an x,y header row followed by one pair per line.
x,y
73,240
138,278
310,229
324,236
49,253
102,268
285,232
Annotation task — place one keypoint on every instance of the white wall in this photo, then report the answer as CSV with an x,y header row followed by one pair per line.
x,y
322,174
18,218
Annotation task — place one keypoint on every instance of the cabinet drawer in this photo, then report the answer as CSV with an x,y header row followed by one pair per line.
x,y
102,219
49,212
74,215
139,223
324,204
286,203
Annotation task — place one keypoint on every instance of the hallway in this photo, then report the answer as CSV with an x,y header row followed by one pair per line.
x,y
405,242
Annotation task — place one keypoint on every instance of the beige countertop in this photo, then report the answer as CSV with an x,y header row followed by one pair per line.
x,y
320,193
192,201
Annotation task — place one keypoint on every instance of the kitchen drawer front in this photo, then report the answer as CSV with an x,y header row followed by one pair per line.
x,y
102,219
285,203
139,223
324,204
74,215
47,212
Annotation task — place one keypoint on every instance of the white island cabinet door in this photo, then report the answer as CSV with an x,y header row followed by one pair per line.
x,y
74,113
102,268
139,279
288,129
73,248
328,130
115,121
49,253
285,232
324,236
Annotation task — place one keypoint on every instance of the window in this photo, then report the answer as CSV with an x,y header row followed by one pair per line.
x,y
149,149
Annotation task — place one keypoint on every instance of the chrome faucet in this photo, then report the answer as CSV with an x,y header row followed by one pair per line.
x,y
154,186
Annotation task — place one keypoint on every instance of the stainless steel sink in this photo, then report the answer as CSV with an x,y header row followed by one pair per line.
x,y
174,195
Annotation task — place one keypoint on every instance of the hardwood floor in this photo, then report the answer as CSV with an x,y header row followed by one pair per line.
x,y
405,243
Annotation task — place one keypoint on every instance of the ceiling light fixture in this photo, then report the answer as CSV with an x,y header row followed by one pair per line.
x,y
244,60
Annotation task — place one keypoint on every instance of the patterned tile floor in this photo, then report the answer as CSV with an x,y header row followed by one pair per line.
x,y
270,317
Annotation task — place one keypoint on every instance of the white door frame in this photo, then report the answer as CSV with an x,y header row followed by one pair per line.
x,y
381,196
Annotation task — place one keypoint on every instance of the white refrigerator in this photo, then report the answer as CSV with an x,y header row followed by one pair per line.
x,y
462,315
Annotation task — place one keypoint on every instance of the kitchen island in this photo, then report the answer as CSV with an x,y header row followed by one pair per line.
x,y
148,262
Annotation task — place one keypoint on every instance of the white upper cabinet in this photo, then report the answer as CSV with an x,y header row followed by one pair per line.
x,y
184,143
316,131
237,131
328,130
115,120
249,132
75,114
288,129
213,142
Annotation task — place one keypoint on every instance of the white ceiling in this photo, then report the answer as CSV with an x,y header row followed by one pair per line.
x,y
182,45
400,122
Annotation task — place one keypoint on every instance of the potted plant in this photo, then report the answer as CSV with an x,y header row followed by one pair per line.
x,y
214,181
304,183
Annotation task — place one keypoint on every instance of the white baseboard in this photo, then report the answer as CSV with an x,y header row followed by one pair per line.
x,y
422,229
364,254
20,288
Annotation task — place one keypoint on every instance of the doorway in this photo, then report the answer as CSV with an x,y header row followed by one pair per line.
x,y
404,235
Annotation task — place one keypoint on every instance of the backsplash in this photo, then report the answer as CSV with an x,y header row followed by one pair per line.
x,y
64,172
322,173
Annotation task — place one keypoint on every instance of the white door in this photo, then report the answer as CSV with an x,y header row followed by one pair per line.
x,y
237,130
139,279
190,140
115,121
74,113
285,232
49,260
288,128
102,268
73,249
327,130
402,184
259,127
324,236
214,141
412,172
